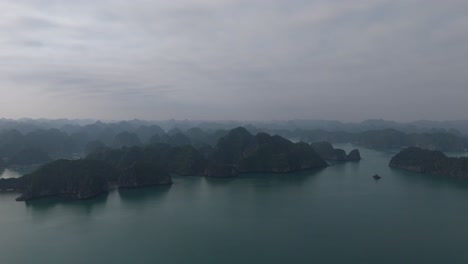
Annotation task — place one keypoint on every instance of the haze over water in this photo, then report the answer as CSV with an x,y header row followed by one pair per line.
x,y
334,215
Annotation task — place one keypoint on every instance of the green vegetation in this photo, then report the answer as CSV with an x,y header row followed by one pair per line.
x,y
29,156
428,161
73,179
389,138
241,152
327,152
142,174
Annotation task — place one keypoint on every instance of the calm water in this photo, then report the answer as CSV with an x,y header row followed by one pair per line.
x,y
336,215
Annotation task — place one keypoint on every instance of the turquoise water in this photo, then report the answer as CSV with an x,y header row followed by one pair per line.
x,y
336,215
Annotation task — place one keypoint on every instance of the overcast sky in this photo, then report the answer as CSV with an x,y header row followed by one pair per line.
x,y
234,59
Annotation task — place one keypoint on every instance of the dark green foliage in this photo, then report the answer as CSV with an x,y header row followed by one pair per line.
x,y
388,138
199,137
354,155
276,154
142,174
323,148
421,160
245,153
174,131
183,160
51,141
29,156
94,146
11,141
326,151
126,139
186,160
120,158
155,139
439,141
339,155
234,146
75,179
146,132
176,139
428,161
321,135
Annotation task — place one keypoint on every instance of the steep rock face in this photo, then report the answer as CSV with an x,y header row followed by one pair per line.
x,y
339,155
241,152
354,155
72,179
186,161
417,159
143,174
323,148
428,161
233,147
327,152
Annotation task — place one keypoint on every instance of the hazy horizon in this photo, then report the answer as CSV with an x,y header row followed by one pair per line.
x,y
235,60
90,119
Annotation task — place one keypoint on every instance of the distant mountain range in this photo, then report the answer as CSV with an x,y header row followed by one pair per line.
x,y
71,125
36,141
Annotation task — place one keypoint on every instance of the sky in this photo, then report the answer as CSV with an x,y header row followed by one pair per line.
x,y
234,59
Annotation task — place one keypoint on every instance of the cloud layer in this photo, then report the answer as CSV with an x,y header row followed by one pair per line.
x,y
234,59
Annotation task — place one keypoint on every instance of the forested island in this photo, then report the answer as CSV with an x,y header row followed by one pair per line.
x,y
130,167
430,161
137,149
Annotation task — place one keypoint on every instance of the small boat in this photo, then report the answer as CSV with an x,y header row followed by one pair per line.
x,y
376,177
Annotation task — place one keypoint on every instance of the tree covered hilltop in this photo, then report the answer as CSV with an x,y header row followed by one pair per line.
x,y
237,152
26,142
430,161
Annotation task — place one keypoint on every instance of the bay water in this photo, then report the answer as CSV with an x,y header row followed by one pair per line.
x,y
335,215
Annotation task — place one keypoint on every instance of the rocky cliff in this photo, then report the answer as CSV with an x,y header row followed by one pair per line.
x,y
143,174
241,152
328,152
428,161
71,179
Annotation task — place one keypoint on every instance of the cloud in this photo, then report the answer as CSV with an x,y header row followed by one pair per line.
x,y
234,59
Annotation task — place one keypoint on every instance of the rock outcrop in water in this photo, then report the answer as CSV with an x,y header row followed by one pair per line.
x,y
327,152
428,161
83,179
241,152
354,155
138,166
